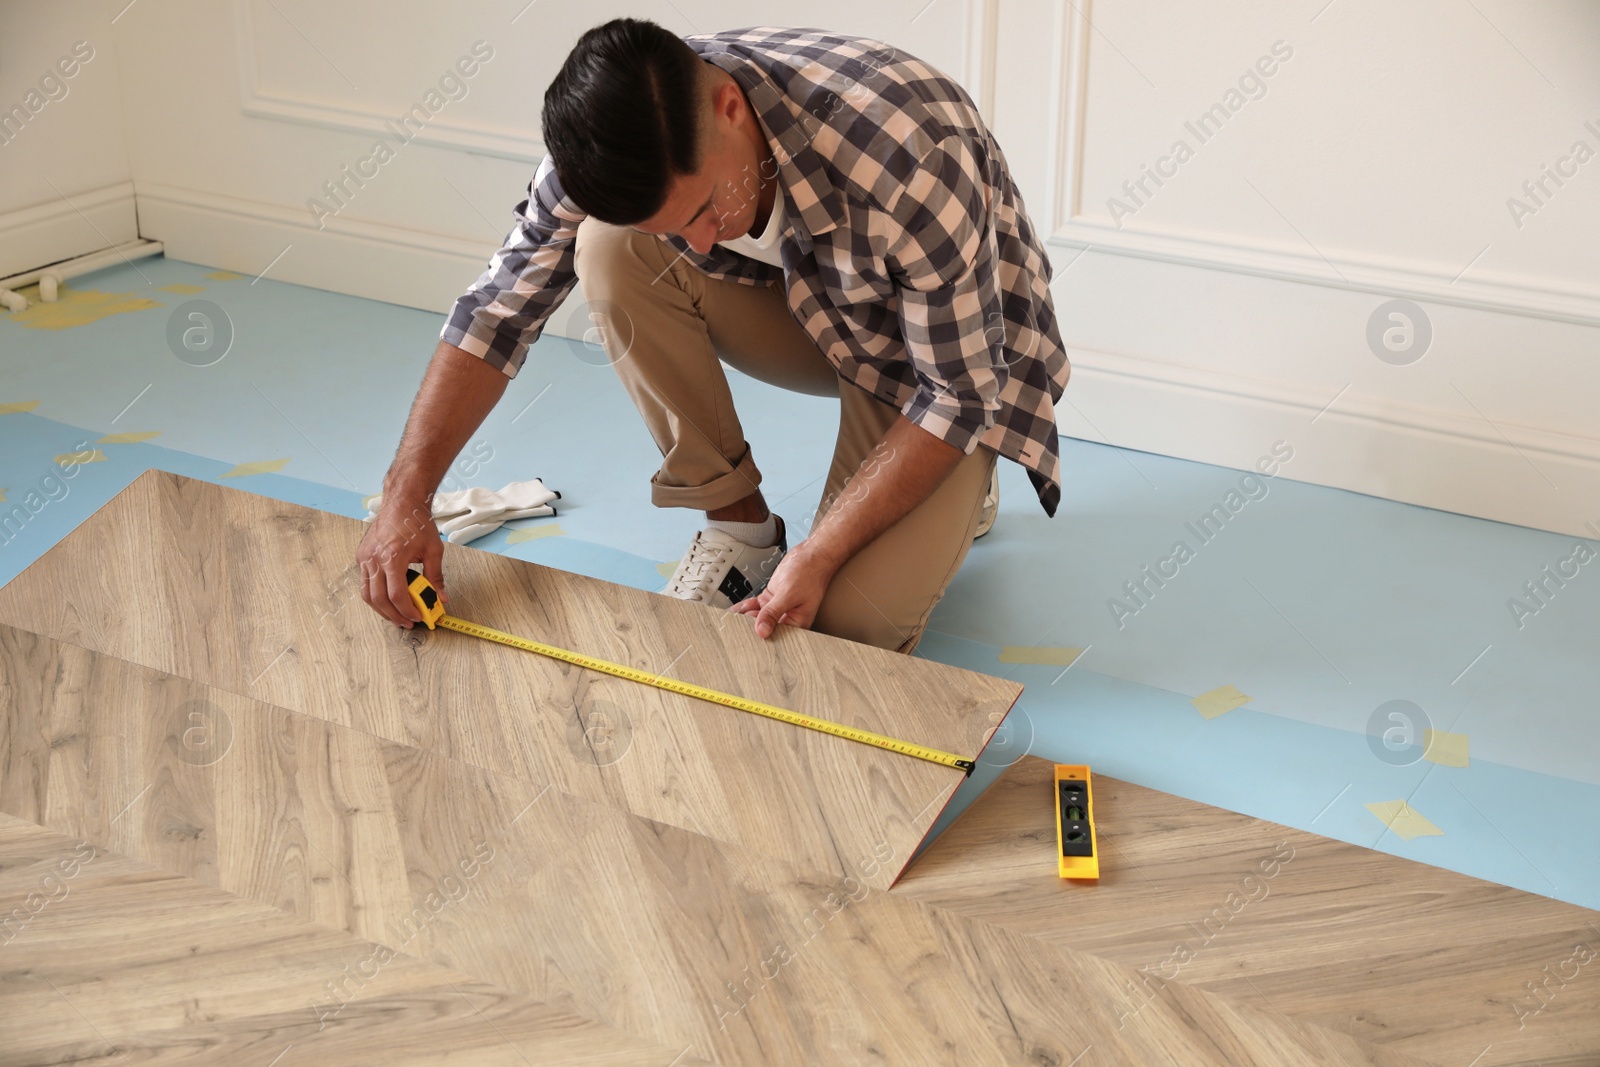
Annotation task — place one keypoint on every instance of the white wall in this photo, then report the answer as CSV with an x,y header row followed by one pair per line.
x,y
245,110
65,181
1230,308
1207,318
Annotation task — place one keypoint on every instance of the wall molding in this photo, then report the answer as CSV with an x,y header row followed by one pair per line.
x,y
1431,457
66,228
1067,105
980,56
441,132
978,73
1386,275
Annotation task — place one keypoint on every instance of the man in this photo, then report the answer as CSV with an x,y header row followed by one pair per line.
x,y
825,213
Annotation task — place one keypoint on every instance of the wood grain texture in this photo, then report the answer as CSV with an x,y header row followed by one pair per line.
x,y
1419,960
119,962
715,894
682,941
259,598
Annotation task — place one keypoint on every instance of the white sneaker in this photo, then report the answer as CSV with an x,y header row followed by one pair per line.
x,y
721,570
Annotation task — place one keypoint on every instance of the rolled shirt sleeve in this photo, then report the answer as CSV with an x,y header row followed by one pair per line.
x,y
506,309
943,258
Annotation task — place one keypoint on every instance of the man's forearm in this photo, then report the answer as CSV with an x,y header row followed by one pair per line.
x,y
901,472
458,392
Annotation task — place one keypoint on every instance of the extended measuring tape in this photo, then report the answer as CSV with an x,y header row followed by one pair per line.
x,y
426,598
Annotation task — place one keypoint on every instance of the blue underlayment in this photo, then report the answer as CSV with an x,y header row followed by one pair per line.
x,y
1322,606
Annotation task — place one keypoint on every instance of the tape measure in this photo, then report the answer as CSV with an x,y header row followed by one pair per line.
x,y
426,598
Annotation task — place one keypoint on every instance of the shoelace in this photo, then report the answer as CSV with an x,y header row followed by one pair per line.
x,y
691,575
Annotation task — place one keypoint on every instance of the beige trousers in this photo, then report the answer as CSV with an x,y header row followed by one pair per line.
x,y
667,329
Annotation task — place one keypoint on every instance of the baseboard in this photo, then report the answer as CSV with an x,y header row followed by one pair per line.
x,y
1434,458
388,263
66,228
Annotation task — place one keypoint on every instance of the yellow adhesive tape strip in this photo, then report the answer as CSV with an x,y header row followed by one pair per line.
x,y
1219,701
533,533
1445,748
128,438
1049,657
92,455
265,466
1407,822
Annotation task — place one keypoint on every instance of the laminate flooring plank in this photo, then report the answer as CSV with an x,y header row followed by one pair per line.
x,y
726,953
107,960
1418,959
259,598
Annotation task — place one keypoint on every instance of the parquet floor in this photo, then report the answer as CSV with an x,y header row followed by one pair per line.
x,y
235,828
258,597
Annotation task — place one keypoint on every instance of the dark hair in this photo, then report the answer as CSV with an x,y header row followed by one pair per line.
x,y
622,117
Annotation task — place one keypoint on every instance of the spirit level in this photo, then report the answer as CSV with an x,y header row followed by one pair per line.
x,y
1075,822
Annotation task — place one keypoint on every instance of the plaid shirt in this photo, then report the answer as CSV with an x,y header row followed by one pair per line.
x,y
910,259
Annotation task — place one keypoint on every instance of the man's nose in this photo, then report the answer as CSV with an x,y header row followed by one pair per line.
x,y
701,239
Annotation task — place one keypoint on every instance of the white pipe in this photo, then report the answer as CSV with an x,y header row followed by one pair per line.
x,y
72,268
49,288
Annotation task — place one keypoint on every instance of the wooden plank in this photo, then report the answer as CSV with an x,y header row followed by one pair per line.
x,y
258,597
114,961
1419,960
678,939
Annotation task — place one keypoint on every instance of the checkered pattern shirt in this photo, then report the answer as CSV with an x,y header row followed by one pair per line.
x,y
910,259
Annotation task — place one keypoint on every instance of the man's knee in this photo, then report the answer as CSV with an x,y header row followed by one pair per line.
x,y
603,251
878,633
849,613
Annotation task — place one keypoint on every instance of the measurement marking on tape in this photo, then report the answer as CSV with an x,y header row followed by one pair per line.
x,y
433,614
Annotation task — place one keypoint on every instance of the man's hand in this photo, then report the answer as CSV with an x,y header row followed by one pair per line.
x,y
457,392
899,473
794,595
400,535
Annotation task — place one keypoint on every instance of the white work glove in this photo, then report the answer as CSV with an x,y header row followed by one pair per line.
x,y
468,514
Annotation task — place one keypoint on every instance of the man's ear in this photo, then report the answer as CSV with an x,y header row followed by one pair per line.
x,y
727,103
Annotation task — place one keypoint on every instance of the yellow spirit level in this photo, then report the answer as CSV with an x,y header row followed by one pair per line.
x,y
1075,822
426,598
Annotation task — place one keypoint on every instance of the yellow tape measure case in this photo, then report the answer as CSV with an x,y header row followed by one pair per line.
x,y
426,598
